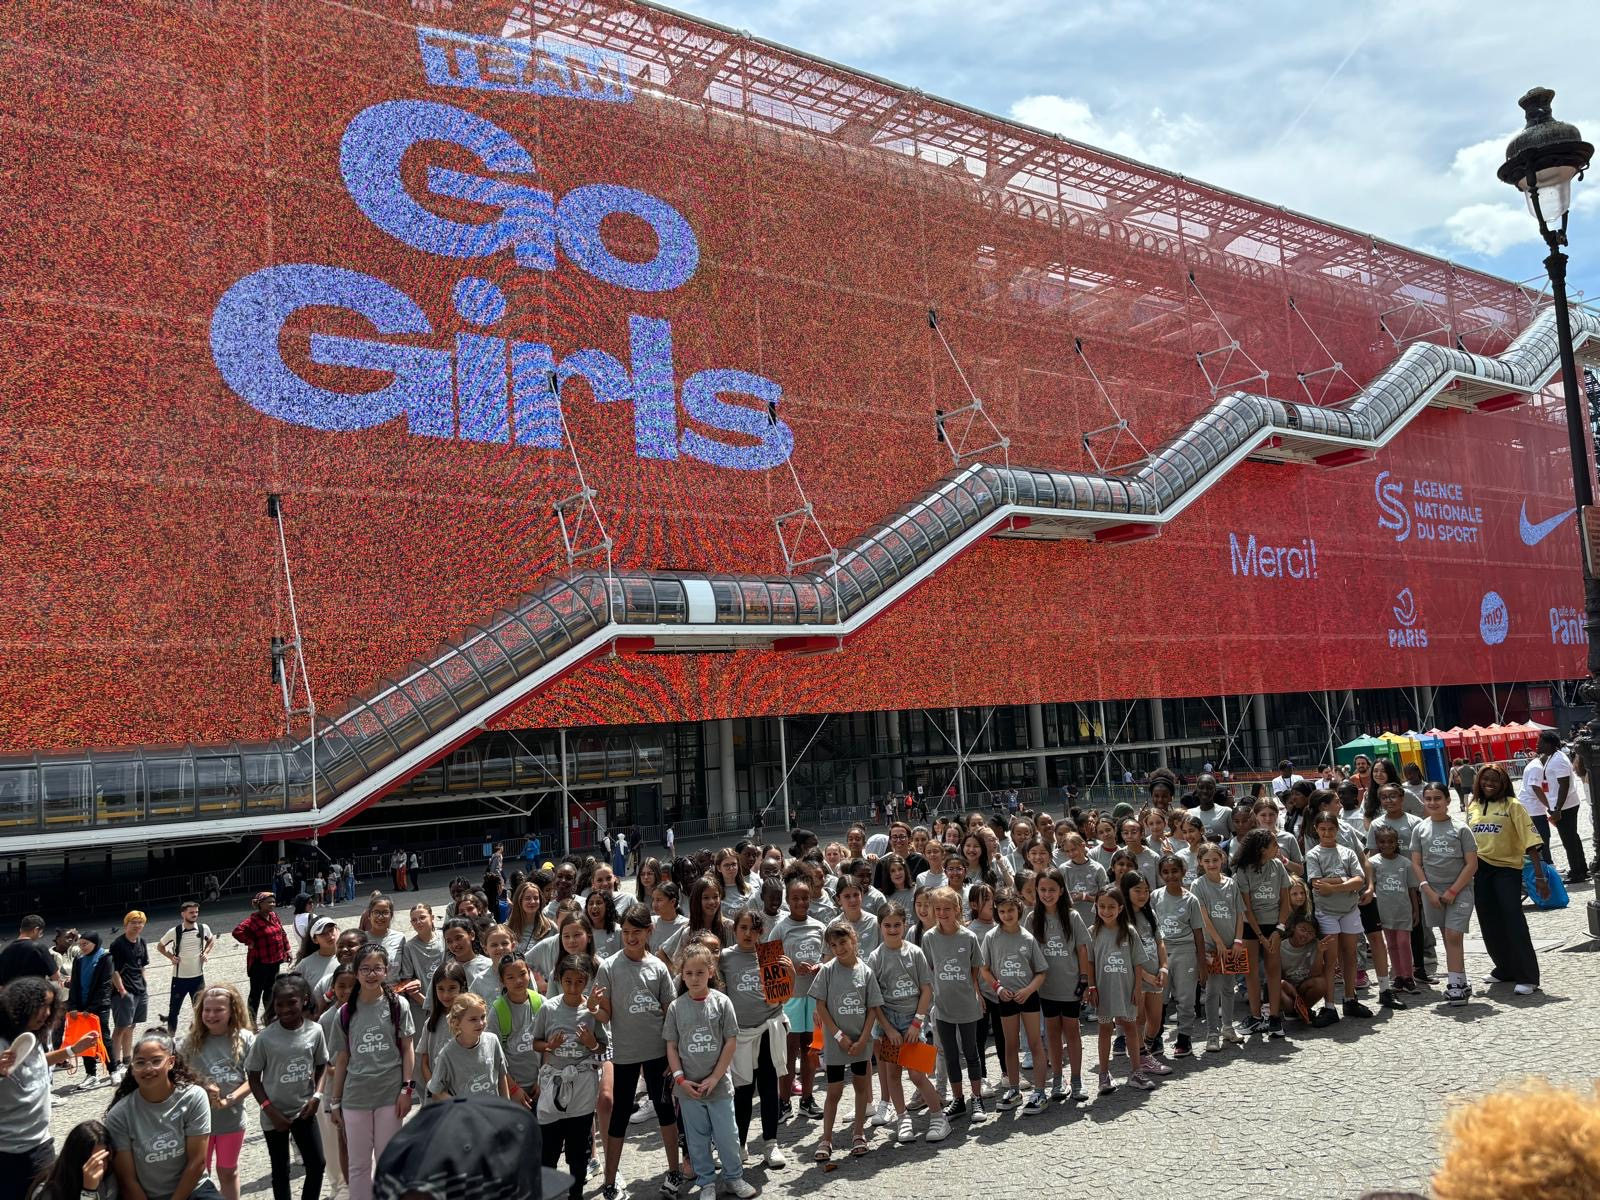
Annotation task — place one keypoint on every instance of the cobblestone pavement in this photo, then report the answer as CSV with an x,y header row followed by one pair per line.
x,y
1323,1114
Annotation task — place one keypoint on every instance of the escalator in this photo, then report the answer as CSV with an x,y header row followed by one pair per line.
x,y
296,788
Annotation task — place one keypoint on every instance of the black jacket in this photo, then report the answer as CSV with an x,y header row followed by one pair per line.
x,y
92,994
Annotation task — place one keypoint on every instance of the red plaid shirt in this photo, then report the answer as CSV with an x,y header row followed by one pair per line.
x,y
264,939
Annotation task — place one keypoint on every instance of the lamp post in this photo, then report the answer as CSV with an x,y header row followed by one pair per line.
x,y
1541,162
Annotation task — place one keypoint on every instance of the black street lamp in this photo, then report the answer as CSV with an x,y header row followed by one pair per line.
x,y
1541,162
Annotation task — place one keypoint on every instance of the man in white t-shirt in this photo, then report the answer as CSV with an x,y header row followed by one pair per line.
x,y
1285,778
186,946
1531,792
1561,797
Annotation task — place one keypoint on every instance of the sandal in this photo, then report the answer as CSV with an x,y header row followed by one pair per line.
x,y
859,1146
824,1151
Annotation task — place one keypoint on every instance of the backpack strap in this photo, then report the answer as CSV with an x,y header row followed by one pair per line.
x,y
502,1016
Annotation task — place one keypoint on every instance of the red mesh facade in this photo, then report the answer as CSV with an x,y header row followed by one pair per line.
x,y
162,152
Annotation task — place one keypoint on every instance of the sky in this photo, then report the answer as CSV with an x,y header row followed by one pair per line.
x,y
1387,118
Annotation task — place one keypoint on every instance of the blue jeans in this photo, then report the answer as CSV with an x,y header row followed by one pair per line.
x,y
705,1122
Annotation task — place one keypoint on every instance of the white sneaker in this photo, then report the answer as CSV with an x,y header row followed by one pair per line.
x,y
773,1156
906,1133
740,1187
883,1113
645,1113
1231,1035
938,1128
1214,1044
1524,989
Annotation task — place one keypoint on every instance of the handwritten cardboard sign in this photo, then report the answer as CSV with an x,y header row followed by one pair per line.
x,y
1229,962
777,972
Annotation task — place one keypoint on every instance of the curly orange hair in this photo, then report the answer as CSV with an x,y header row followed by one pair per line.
x,y
1533,1141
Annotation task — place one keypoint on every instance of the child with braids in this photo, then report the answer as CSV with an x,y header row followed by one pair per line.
x,y
285,1066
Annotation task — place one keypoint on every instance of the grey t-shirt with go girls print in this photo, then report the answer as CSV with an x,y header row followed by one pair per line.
x,y
1392,881
1012,958
1087,876
420,959
848,992
953,958
156,1135
468,1070
1060,947
215,1062
640,993
741,974
1179,916
1262,887
701,1028
1115,973
289,1060
522,1060
373,1075
1333,862
1220,901
901,975
802,943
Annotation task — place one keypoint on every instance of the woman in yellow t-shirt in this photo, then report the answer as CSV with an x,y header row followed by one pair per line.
x,y
1504,834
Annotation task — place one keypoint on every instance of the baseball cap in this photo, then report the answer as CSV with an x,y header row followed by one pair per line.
x,y
468,1149
322,923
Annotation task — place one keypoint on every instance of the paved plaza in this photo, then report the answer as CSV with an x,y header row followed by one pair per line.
x,y
1323,1114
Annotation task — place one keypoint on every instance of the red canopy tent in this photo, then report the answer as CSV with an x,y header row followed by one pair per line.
x,y
1523,737
1455,745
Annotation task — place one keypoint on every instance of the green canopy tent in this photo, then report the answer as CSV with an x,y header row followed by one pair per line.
x,y
1372,747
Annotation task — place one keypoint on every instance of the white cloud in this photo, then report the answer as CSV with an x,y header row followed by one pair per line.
x,y
1152,138
1375,116
1491,229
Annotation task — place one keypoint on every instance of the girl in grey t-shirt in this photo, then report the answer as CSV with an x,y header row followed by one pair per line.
x,y
159,1123
849,1005
215,1052
1120,967
374,1070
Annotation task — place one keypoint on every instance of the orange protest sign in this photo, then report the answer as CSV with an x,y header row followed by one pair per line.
x,y
80,1023
777,972
1229,962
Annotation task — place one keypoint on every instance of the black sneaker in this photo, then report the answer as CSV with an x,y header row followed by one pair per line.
x,y
1425,979
809,1108
1325,1016
1407,985
609,1192
956,1108
1354,1008
671,1184
1258,1026
1387,999
1184,1047
1275,1027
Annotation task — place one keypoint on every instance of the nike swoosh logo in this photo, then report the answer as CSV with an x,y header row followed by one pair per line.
x,y
1532,534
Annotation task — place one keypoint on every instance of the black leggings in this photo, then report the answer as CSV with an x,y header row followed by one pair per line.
x,y
570,1135
993,1025
308,1140
625,1081
960,1040
744,1096
262,976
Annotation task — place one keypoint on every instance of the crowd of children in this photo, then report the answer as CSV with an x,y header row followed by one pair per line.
x,y
723,982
